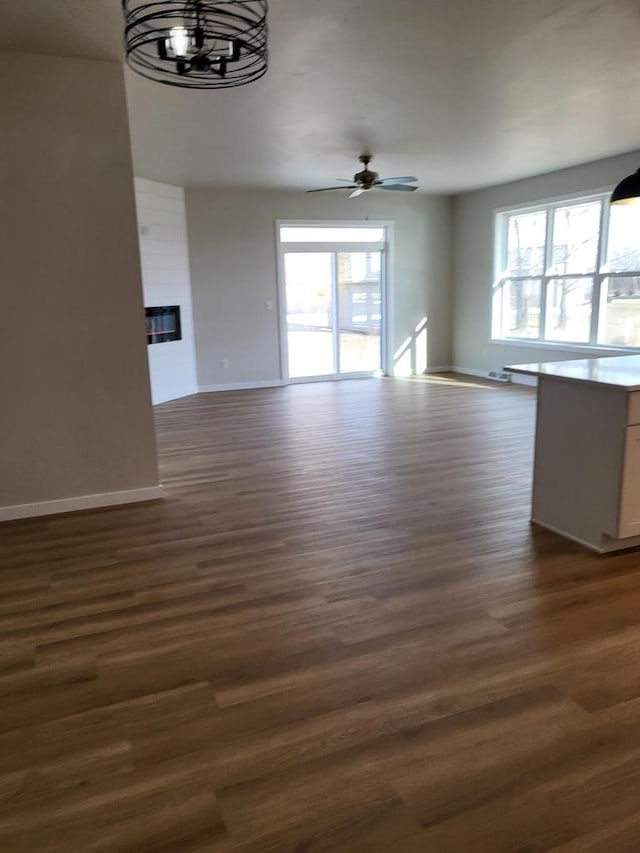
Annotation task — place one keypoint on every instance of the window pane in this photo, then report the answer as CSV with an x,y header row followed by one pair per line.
x,y
623,251
359,314
620,312
526,234
331,234
569,309
517,309
308,290
575,238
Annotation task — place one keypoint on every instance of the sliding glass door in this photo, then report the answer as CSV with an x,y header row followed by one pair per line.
x,y
359,292
309,295
333,299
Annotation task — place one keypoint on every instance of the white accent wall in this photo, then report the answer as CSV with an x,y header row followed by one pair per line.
x,y
474,240
232,243
164,255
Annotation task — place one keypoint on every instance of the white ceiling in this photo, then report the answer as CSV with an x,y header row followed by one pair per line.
x,y
461,93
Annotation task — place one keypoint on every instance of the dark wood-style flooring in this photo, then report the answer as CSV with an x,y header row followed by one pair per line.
x,y
338,633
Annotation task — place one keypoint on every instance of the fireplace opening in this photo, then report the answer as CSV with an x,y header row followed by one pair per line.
x,y
163,324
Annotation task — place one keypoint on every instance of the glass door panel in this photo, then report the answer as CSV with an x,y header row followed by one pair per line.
x,y
359,304
309,285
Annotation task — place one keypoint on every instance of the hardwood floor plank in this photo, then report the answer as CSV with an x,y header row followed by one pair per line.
x,y
338,632
617,838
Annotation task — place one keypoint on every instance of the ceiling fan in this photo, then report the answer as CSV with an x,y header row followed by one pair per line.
x,y
368,180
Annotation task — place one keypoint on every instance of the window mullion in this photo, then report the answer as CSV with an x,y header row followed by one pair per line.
x,y
604,235
596,299
544,281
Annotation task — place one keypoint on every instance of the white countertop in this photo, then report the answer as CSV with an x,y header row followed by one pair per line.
x,y
616,371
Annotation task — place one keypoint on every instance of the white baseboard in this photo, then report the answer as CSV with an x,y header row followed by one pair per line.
x,y
241,386
469,371
277,383
164,398
516,378
12,513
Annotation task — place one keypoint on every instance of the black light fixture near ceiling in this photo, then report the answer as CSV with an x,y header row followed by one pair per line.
x,y
628,190
197,44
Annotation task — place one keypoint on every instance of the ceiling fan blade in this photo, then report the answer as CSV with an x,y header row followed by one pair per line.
x,y
328,189
403,188
345,180
407,179
357,192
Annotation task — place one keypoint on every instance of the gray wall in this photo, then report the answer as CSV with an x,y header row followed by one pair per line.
x,y
233,272
474,215
75,417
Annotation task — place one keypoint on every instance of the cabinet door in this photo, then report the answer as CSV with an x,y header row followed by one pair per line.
x,y
629,524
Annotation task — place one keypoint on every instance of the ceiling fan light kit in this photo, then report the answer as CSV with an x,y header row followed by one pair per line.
x,y
628,190
197,44
367,180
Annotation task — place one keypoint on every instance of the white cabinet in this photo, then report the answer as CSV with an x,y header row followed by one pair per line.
x,y
587,464
629,522
586,482
634,408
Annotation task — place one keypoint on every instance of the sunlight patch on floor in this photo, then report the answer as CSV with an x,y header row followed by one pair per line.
x,y
453,381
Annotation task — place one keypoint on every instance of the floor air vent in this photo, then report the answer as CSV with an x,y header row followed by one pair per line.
x,y
499,377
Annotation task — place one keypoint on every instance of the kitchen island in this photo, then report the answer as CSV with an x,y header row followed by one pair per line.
x,y
586,479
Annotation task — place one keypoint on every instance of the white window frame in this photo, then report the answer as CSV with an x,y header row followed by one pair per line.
x,y
385,246
600,273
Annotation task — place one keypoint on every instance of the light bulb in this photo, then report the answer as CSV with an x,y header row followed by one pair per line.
x,y
179,40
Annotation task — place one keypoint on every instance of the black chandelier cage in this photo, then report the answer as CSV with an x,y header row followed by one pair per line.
x,y
197,44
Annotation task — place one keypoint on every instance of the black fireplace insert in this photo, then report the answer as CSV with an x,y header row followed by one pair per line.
x,y
163,324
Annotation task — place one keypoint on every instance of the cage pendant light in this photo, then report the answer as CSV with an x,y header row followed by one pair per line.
x,y
197,44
